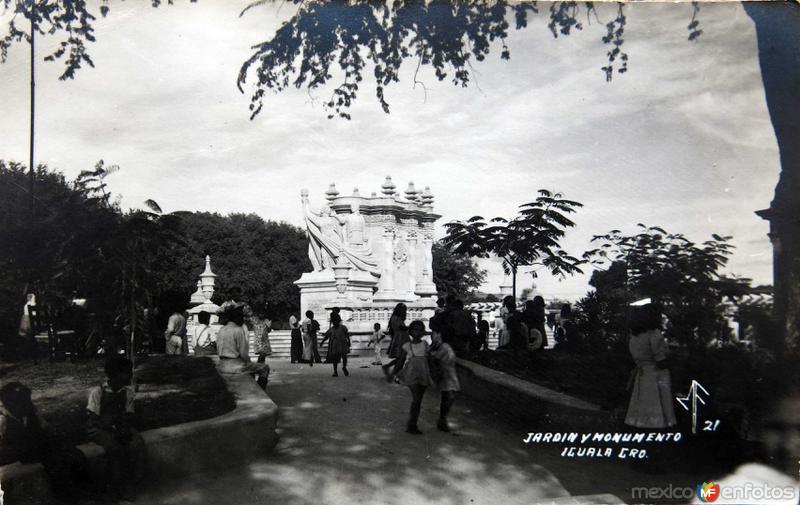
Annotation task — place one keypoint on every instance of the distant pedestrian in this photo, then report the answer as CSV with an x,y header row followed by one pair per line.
x,y
447,380
175,334
375,342
339,346
264,348
415,372
535,319
463,328
398,331
203,340
515,327
310,328
483,335
651,400
296,350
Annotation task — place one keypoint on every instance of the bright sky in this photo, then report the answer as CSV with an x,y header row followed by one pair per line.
x,y
683,140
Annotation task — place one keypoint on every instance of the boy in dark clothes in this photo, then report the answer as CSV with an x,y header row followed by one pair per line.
x,y
110,424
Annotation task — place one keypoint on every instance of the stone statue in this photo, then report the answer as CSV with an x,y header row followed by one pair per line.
x,y
327,246
355,226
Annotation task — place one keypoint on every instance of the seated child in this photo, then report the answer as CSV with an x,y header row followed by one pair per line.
x,y
110,424
21,434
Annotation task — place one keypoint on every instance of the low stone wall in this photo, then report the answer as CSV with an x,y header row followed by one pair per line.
x,y
530,403
226,441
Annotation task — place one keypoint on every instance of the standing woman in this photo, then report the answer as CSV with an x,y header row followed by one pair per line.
x,y
399,332
309,331
339,346
651,397
297,339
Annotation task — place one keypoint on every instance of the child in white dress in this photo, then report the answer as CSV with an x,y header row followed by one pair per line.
x,y
375,342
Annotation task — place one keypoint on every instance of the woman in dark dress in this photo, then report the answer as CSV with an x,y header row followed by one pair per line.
x,y
399,332
535,318
297,339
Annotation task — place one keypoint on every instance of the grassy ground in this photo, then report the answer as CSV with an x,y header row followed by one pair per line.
x,y
170,390
598,378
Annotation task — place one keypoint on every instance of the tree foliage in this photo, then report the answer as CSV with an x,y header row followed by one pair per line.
x,y
454,273
682,276
338,44
262,258
81,244
531,239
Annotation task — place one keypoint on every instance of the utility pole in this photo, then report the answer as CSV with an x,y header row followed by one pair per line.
x,y
31,166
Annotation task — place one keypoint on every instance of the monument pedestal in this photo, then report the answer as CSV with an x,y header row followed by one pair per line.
x,y
320,291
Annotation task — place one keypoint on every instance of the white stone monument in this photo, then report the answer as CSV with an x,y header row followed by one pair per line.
x,y
368,254
201,301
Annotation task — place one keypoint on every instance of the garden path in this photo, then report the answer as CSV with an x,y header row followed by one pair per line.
x,y
343,442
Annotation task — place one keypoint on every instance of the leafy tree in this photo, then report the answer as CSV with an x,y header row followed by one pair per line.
x,y
48,253
455,273
603,312
531,239
680,275
263,258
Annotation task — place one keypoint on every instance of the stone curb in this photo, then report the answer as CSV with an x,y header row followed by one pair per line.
x,y
226,441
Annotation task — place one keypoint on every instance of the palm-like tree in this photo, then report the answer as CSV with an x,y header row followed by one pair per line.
x,y
531,239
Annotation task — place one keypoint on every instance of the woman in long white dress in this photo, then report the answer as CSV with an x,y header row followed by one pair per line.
x,y
651,397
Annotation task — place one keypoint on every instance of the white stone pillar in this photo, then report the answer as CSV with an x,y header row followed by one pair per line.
x,y
387,276
425,285
412,262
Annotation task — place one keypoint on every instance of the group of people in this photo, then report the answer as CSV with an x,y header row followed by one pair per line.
x,y
304,345
418,364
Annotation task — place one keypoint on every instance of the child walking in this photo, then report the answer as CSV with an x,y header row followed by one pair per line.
x,y
339,346
375,342
447,381
110,413
415,372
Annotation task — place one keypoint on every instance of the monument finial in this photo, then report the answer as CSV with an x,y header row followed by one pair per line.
x,y
388,186
207,272
411,192
427,197
355,192
332,192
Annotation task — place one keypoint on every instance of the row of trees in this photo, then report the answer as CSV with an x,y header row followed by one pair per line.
x,y
683,277
80,244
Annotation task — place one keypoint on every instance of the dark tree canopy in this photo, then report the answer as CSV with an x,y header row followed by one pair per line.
x,y
456,274
83,245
